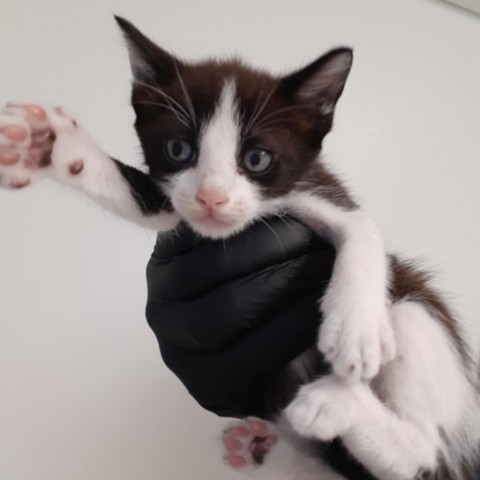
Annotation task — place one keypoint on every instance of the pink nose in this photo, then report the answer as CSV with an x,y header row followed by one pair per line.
x,y
212,197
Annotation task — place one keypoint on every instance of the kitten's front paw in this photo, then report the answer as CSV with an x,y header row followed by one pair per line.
x,y
356,335
246,443
324,409
27,139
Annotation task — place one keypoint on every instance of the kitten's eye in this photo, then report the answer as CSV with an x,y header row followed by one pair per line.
x,y
180,151
257,161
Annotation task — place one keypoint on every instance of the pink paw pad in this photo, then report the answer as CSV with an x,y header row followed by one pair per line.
x,y
28,135
76,167
247,443
15,133
36,112
20,182
9,157
26,144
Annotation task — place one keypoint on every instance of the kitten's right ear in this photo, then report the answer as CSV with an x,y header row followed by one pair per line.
x,y
147,60
321,83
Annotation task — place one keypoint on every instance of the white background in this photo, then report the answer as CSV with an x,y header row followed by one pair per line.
x,y
83,392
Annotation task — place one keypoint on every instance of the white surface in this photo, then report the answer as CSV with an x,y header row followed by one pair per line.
x,y
84,394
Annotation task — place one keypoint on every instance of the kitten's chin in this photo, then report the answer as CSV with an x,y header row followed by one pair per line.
x,y
210,227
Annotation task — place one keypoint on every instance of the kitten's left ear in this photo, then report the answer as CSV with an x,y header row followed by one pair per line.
x,y
322,82
147,60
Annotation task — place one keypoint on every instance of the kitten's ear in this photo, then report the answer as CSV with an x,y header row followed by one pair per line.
x,y
147,60
321,83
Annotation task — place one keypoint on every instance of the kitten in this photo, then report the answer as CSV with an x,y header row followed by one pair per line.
x,y
225,146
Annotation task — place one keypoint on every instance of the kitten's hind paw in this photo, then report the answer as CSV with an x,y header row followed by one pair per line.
x,y
324,409
246,443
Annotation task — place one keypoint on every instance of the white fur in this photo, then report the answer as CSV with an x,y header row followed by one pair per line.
x,y
325,409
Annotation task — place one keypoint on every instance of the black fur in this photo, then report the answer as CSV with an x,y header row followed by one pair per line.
x,y
144,190
338,457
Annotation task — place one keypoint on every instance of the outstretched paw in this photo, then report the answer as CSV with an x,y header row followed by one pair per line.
x,y
28,134
246,443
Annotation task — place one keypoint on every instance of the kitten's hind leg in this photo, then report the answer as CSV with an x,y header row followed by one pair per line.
x,y
424,391
37,142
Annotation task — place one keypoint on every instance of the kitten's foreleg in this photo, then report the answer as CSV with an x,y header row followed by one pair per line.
x,y
356,334
37,142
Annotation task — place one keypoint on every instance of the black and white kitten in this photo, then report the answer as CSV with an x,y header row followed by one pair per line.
x,y
226,145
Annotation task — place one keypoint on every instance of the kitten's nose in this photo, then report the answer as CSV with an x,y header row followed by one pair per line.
x,y
212,197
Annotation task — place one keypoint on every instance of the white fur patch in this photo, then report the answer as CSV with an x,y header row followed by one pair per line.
x,y
219,143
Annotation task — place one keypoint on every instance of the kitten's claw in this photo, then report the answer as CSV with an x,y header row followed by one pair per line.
x,y
28,133
246,443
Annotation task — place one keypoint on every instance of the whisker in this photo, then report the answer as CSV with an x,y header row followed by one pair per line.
x,y
257,129
177,114
159,104
285,219
275,234
264,104
254,112
165,203
266,131
272,115
188,99
167,97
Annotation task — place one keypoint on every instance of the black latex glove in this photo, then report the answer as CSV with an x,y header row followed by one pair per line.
x,y
229,315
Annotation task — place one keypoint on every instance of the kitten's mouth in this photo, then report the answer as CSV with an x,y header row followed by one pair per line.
x,y
212,226
211,220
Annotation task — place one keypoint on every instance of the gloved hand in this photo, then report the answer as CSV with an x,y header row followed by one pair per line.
x,y
229,315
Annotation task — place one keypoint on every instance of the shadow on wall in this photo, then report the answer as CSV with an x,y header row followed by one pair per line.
x,y
470,6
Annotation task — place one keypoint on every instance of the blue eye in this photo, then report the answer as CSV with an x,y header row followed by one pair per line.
x,y
180,151
257,160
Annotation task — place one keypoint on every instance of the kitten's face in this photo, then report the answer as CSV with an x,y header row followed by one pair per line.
x,y
227,142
